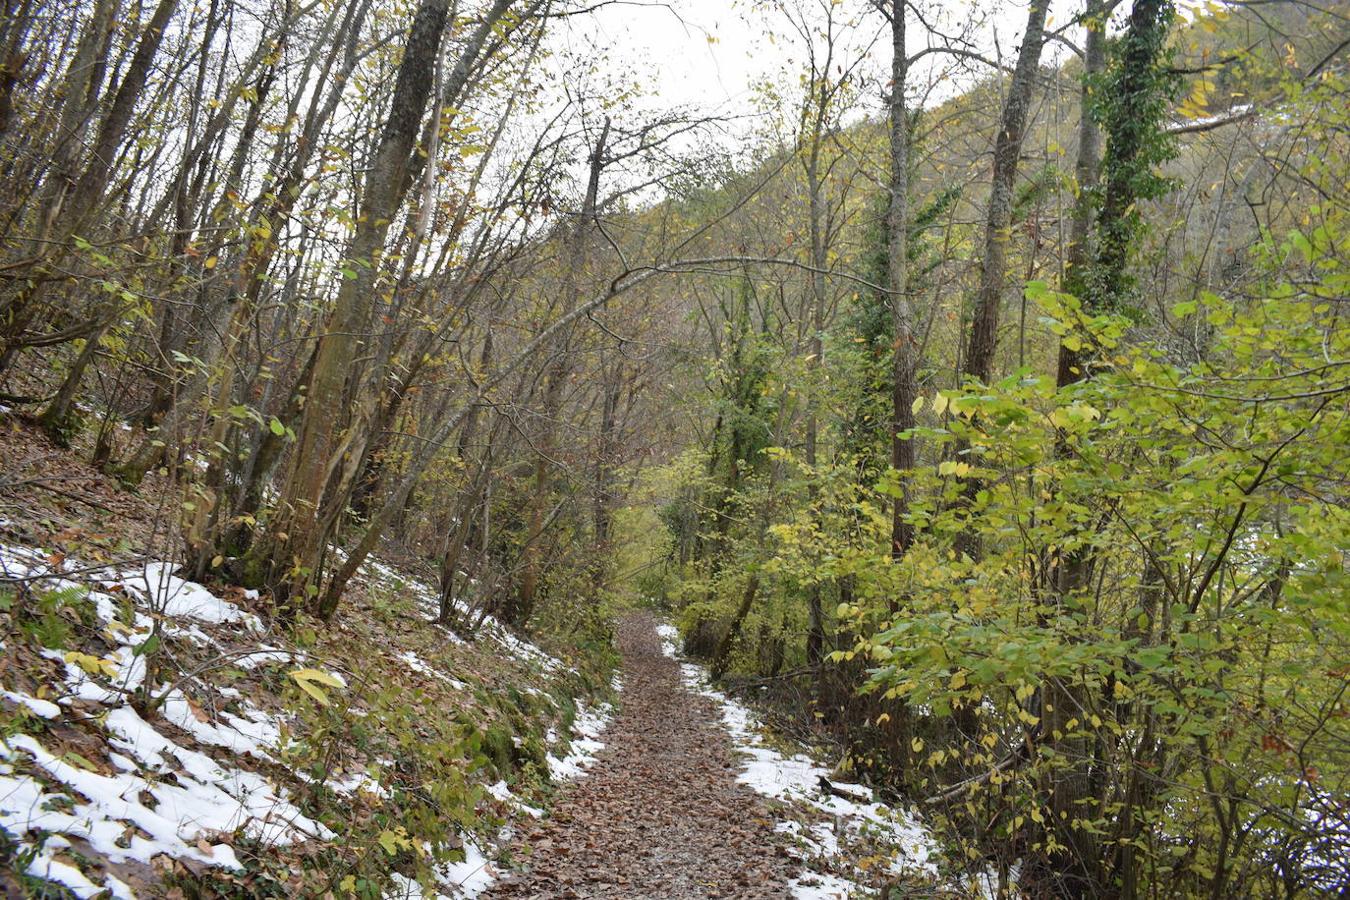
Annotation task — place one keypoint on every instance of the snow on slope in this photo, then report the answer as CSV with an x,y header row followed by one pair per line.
x,y
155,797
796,779
162,798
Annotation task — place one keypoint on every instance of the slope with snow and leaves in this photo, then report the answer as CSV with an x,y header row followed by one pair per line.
x,y
157,735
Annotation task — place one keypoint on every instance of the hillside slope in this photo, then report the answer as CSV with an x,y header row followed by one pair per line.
x,y
163,738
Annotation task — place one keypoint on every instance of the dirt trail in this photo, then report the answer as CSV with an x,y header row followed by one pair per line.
x,y
660,815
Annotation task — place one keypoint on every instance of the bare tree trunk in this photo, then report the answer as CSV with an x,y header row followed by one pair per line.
x,y
979,361
904,361
87,192
249,278
1087,171
722,658
15,20
556,380
296,534
606,448
979,357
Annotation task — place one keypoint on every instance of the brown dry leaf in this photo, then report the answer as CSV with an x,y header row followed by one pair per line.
x,y
659,813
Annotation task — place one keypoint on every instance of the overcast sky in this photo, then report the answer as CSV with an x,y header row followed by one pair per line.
x,y
668,48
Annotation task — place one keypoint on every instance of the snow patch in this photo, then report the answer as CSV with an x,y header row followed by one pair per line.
x,y
669,636
585,743
502,792
162,798
42,708
176,598
797,779
417,664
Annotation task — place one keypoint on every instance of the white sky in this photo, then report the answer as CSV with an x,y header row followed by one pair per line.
x,y
667,48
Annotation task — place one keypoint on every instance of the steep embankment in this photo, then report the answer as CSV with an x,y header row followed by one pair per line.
x,y
161,736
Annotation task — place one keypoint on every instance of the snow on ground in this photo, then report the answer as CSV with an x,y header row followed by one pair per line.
x,y
489,628
463,879
422,667
174,598
797,779
585,743
669,636
477,872
162,798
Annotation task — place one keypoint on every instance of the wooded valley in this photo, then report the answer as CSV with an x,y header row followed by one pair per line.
x,y
977,411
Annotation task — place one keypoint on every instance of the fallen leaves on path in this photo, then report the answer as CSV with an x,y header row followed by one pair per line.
x,y
660,814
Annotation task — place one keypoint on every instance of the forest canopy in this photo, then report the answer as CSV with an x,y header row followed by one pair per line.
x,y
983,408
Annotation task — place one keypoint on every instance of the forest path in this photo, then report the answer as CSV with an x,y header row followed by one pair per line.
x,y
660,814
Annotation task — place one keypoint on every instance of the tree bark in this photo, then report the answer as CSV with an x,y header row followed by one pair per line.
x,y
904,360
979,357
75,208
555,381
295,534
979,360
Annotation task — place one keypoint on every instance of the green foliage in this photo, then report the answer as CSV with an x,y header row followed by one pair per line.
x,y
1136,689
1200,490
50,618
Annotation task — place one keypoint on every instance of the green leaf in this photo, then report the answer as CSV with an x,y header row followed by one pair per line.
x,y
389,841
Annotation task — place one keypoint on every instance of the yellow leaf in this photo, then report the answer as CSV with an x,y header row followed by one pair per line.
x,y
92,664
916,405
211,262
939,403
916,745
389,841
319,675
306,680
